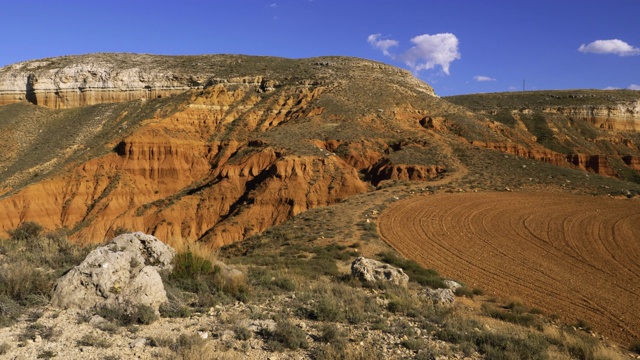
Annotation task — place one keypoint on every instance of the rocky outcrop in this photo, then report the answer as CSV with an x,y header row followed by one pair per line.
x,y
597,164
623,116
124,272
387,170
373,271
73,81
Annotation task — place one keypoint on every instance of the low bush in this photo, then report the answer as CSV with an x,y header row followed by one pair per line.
x,y
242,333
4,348
94,341
285,336
128,315
26,231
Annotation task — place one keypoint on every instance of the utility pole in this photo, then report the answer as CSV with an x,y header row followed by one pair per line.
x,y
523,85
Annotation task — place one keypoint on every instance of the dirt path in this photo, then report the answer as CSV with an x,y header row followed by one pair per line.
x,y
574,256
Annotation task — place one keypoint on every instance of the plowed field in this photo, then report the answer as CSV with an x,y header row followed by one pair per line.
x,y
570,255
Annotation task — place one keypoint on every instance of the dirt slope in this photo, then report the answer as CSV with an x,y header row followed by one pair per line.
x,y
574,256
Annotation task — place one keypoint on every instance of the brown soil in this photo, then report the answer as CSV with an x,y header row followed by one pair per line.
x,y
570,255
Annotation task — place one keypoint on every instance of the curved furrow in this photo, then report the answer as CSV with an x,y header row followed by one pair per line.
x,y
578,256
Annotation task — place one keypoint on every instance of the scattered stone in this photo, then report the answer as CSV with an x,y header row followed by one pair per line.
x,y
369,270
138,343
443,297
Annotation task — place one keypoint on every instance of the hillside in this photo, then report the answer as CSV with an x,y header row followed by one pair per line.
x,y
267,138
273,160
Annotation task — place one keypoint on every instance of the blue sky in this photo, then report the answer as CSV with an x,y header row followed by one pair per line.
x,y
457,46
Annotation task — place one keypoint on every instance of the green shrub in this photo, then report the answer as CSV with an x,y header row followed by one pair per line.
x,y
188,265
286,335
242,333
26,231
329,333
94,341
464,291
21,282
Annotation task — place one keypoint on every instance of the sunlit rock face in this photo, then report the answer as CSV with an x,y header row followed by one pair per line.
x,y
623,116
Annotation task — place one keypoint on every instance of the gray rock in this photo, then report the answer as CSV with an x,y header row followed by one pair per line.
x,y
452,285
443,297
369,270
123,272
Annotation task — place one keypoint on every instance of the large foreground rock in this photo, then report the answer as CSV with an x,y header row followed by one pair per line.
x,y
371,271
123,272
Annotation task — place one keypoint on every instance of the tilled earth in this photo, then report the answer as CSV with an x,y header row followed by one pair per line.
x,y
574,256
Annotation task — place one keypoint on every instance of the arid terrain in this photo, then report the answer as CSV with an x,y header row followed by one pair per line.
x,y
290,169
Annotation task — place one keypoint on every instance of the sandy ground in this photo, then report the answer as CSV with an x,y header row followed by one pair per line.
x,y
577,257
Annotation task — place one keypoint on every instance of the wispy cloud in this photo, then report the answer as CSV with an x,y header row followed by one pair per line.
x,y
273,5
630,87
427,52
384,45
483,78
613,46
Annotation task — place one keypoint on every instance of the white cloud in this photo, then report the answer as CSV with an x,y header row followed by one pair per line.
x,y
432,50
611,88
613,46
428,51
483,78
384,45
273,5
634,87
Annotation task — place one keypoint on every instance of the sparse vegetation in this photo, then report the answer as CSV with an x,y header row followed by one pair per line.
x,y
292,280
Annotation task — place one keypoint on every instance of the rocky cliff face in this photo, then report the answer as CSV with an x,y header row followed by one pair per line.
x,y
73,81
623,116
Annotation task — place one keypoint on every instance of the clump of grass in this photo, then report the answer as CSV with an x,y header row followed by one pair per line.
x,y
514,315
34,260
413,344
47,354
285,336
471,336
242,333
94,340
336,302
198,275
418,274
37,329
4,348
125,315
